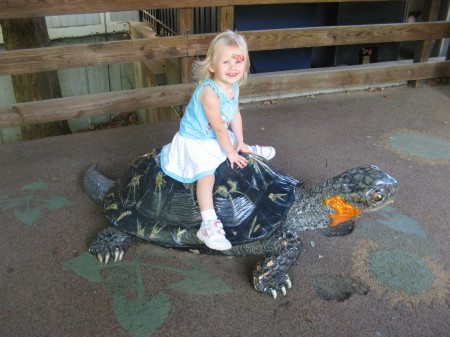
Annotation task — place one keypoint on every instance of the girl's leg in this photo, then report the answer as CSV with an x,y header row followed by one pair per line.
x,y
211,230
204,193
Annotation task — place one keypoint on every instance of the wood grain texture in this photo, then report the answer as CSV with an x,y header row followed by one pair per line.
x,y
32,8
53,58
260,85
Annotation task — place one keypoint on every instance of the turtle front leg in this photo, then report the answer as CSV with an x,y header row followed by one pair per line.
x,y
110,244
270,276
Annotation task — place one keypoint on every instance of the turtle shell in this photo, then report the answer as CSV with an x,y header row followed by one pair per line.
x,y
251,202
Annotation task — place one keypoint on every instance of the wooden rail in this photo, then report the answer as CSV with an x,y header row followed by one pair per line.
x,y
54,58
259,85
28,8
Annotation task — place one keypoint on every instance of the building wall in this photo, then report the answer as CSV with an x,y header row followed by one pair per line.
x,y
75,29
78,25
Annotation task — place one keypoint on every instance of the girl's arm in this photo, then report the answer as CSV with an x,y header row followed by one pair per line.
x,y
211,105
236,126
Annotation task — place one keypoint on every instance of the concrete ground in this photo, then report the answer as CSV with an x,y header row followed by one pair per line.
x,y
388,278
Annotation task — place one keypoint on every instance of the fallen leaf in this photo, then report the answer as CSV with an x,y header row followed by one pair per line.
x,y
270,102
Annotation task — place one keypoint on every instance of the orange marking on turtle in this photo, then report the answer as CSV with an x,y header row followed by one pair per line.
x,y
344,210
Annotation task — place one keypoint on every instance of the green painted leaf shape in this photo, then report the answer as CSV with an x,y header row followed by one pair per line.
x,y
12,205
85,266
29,216
57,201
200,280
141,317
401,222
37,185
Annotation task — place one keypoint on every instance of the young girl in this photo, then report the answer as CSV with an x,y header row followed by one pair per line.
x,y
204,141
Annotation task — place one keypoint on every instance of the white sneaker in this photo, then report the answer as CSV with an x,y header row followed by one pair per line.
x,y
267,152
212,234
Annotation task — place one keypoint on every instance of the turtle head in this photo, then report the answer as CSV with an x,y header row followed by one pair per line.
x,y
342,198
366,188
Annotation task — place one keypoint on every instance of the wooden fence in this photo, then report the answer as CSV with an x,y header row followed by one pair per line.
x,y
187,45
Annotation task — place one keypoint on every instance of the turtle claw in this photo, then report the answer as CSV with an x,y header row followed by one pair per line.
x,y
106,258
282,287
288,282
110,245
274,294
273,287
116,254
283,290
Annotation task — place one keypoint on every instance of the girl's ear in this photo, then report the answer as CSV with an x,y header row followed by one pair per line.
x,y
210,67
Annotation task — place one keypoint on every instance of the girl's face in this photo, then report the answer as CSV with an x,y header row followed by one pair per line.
x,y
228,65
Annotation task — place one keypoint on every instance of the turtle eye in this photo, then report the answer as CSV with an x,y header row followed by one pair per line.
x,y
376,196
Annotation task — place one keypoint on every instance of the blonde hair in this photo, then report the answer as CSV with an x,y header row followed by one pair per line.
x,y
227,38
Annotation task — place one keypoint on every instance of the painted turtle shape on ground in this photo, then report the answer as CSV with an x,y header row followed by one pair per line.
x,y
262,210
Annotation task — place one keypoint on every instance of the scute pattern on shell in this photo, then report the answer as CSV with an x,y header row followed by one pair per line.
x,y
250,202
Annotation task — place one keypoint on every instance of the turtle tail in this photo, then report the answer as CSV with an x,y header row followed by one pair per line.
x,y
95,184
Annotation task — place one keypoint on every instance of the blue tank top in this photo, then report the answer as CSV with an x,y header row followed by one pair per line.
x,y
195,124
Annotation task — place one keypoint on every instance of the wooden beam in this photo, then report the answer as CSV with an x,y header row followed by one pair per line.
x,y
294,82
91,105
225,18
43,59
31,8
32,60
344,35
185,17
259,86
423,48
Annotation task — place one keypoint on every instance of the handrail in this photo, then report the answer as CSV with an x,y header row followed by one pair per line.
x,y
30,8
63,57
260,85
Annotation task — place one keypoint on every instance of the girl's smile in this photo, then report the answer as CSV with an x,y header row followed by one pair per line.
x,y
228,66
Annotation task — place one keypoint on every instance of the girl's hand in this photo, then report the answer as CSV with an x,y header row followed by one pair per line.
x,y
236,158
242,147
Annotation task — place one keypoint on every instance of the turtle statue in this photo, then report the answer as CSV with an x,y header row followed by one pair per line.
x,y
262,210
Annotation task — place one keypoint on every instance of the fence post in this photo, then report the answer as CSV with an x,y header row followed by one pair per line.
x,y
423,48
225,18
185,17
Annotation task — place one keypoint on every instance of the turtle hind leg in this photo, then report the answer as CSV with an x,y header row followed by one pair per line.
x,y
110,244
271,273
342,229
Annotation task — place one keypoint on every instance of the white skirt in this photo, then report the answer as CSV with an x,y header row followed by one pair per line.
x,y
188,160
